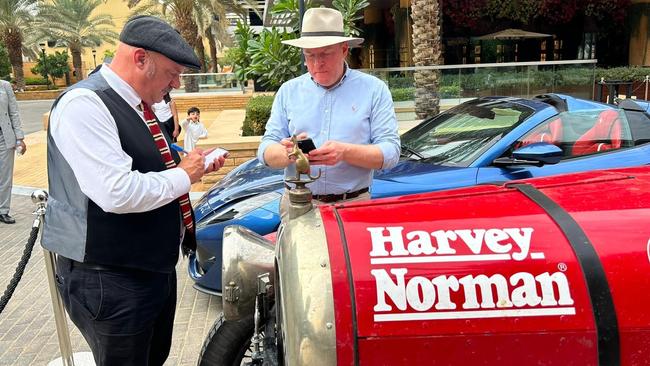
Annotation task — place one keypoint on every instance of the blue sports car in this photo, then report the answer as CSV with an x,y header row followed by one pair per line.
x,y
485,140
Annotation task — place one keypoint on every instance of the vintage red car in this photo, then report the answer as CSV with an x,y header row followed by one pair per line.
x,y
548,271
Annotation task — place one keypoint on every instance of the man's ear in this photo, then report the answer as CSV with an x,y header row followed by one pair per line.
x,y
139,57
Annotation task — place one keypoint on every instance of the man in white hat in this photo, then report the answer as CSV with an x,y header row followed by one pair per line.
x,y
348,114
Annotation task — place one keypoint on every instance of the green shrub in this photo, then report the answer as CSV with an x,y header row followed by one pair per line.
x,y
36,87
272,61
475,81
623,73
258,111
572,76
36,81
450,79
508,79
545,78
449,91
402,94
400,81
53,66
238,55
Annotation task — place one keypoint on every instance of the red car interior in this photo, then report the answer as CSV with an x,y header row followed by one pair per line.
x,y
551,133
604,135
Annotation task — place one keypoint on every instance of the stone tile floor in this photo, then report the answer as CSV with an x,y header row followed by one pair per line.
x,y
27,329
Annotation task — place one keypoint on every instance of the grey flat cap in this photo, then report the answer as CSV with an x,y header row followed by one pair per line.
x,y
154,34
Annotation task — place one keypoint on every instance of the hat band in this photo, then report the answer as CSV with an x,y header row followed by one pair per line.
x,y
321,34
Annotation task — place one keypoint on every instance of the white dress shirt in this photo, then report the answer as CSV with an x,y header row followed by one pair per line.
x,y
86,134
162,110
357,110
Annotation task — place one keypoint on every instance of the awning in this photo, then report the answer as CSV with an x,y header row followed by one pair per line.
x,y
513,33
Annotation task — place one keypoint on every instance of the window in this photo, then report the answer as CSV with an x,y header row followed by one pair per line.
x,y
639,126
587,49
457,137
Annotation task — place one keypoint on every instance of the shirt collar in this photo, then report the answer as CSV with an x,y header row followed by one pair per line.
x,y
121,87
346,71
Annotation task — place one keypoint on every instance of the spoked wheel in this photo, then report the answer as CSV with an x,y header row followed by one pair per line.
x,y
228,343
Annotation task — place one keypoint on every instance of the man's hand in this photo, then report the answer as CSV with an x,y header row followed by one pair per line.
x,y
193,164
330,153
334,152
176,132
288,147
277,156
22,143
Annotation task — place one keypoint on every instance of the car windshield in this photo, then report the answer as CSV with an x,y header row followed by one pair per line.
x,y
457,137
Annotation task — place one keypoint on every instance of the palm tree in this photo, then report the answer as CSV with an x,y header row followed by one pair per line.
x,y
16,17
71,23
427,51
214,26
186,14
182,12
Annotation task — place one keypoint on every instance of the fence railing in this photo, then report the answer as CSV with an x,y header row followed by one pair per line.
x,y
522,79
455,82
210,82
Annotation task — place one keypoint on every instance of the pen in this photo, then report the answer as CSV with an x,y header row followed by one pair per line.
x,y
178,148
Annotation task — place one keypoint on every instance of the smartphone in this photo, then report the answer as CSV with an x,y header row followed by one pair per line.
x,y
306,145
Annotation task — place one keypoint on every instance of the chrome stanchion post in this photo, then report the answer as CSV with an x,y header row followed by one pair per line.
x,y
39,197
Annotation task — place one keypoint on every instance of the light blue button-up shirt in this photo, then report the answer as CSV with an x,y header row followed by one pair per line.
x,y
358,110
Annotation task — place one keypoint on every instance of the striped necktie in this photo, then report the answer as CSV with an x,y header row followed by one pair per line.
x,y
161,143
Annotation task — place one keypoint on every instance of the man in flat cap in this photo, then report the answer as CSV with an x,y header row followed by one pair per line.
x,y
118,206
349,115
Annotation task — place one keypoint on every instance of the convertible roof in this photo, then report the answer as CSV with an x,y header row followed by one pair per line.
x,y
554,100
630,105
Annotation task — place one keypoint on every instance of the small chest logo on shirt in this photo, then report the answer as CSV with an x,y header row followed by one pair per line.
x,y
354,108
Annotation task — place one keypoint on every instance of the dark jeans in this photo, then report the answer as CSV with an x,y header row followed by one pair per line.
x,y
169,127
125,315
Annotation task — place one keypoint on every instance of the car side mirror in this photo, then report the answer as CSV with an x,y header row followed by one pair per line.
x,y
539,154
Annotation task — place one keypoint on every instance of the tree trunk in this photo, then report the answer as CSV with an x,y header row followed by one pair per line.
x,y
427,51
201,53
76,63
189,31
13,39
212,43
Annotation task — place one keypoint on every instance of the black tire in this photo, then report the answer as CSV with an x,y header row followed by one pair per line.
x,y
227,343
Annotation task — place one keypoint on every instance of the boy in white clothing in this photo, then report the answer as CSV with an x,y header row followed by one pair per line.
x,y
194,129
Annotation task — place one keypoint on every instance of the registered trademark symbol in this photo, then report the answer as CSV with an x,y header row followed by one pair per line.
x,y
562,267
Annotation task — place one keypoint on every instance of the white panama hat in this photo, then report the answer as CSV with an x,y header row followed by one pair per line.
x,y
322,27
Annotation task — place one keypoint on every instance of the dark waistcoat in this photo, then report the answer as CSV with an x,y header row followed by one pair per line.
x,y
77,228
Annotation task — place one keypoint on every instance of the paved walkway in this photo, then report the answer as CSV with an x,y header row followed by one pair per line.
x,y
27,329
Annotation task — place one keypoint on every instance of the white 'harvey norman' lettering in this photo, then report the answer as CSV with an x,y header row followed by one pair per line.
x,y
420,246
499,296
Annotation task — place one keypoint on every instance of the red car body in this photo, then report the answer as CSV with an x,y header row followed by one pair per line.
x,y
550,271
